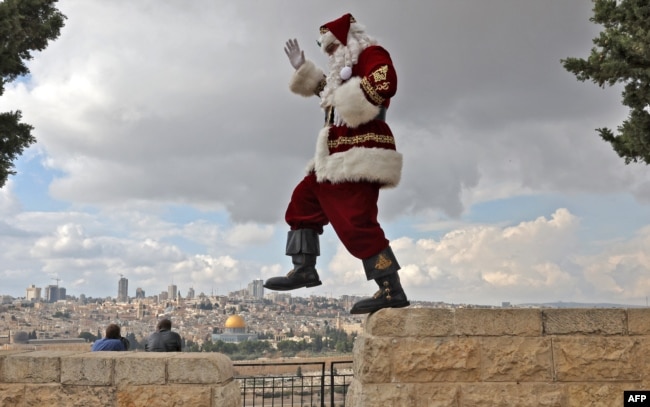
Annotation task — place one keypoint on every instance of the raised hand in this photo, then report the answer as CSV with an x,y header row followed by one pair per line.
x,y
294,53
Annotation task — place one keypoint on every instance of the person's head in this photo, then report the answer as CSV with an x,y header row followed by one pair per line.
x,y
164,324
113,332
342,40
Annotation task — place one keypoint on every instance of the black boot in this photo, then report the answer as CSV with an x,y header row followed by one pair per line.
x,y
303,247
383,269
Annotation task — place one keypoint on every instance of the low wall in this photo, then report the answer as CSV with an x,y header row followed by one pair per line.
x,y
124,379
501,357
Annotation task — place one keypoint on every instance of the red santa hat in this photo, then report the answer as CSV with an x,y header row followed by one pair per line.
x,y
339,28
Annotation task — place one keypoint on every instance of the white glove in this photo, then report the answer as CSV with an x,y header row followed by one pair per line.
x,y
294,53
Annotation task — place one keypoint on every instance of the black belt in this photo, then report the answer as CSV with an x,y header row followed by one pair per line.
x,y
329,115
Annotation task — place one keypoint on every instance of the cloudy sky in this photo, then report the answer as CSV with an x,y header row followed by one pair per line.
x,y
169,144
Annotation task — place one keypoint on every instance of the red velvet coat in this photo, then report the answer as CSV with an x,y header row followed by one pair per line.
x,y
363,149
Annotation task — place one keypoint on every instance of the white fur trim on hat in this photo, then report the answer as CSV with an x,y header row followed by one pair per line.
x,y
306,79
352,105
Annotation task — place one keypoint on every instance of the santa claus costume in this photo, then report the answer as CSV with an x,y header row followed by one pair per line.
x,y
355,157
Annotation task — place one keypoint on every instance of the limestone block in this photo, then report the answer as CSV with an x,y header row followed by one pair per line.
x,y
69,396
597,358
643,361
138,368
516,359
228,395
3,355
498,322
199,368
397,394
372,359
91,368
584,321
419,322
512,394
638,321
33,367
164,396
12,395
598,394
435,360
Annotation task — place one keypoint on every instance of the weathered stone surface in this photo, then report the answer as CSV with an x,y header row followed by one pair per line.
x,y
595,358
227,395
585,321
3,355
164,396
33,367
516,359
372,359
138,368
418,322
12,395
436,360
92,368
199,368
638,321
81,378
397,394
512,394
498,322
68,396
597,394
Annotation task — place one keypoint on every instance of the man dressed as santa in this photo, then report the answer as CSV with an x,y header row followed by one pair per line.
x,y
355,157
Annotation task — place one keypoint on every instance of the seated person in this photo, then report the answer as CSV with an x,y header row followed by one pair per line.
x,y
111,342
164,340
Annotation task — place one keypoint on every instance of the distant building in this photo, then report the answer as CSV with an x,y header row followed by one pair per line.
x,y
139,293
256,289
141,311
172,292
52,293
62,293
234,331
33,293
123,290
190,293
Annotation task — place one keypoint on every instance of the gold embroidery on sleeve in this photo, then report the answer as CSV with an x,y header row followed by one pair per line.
x,y
371,91
380,74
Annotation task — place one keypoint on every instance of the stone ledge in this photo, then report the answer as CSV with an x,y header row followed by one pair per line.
x,y
73,378
501,357
441,322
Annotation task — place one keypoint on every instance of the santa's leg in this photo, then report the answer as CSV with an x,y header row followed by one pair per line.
x,y
352,210
382,268
303,247
306,219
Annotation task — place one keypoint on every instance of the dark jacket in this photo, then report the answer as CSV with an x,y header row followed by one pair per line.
x,y
163,341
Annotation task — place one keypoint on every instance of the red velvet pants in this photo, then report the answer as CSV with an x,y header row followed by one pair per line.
x,y
351,207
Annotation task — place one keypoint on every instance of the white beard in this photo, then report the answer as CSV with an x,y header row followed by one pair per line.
x,y
343,56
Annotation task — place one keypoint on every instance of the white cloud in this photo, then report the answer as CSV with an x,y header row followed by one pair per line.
x,y
528,260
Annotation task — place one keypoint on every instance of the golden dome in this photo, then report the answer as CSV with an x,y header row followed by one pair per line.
x,y
235,321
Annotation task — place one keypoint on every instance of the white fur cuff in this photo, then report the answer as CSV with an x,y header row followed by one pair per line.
x,y
352,105
306,79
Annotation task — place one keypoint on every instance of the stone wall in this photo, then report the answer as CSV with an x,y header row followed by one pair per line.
x,y
501,357
124,379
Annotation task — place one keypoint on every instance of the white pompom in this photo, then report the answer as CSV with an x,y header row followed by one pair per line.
x,y
346,73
